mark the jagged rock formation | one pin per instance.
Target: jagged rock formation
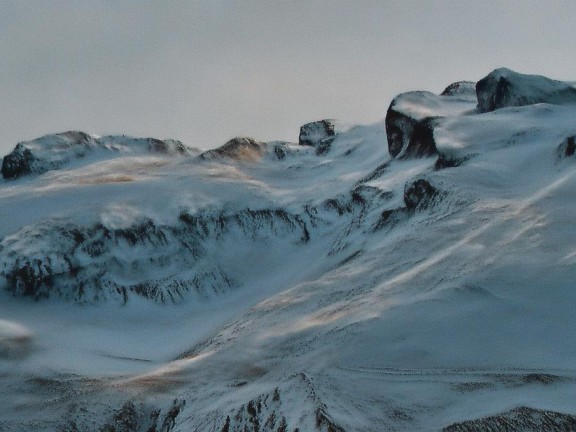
(318, 134)
(157, 262)
(55, 151)
(505, 88)
(522, 419)
(461, 89)
(240, 149)
(131, 416)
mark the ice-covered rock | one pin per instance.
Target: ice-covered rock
(461, 89)
(410, 121)
(46, 153)
(15, 339)
(55, 151)
(318, 134)
(505, 88)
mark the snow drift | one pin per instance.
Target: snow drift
(414, 274)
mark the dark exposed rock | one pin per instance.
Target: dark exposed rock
(318, 134)
(264, 413)
(519, 419)
(239, 148)
(23, 160)
(541, 378)
(18, 163)
(389, 218)
(126, 419)
(166, 146)
(324, 421)
(505, 88)
(463, 89)
(419, 194)
(568, 147)
(444, 161)
(409, 134)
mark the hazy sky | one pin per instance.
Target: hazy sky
(205, 71)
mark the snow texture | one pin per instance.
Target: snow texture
(366, 291)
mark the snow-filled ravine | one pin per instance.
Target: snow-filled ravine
(416, 274)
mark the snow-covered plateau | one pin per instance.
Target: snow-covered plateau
(417, 274)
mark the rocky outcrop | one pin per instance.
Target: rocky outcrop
(239, 148)
(505, 88)
(461, 89)
(410, 133)
(318, 134)
(55, 151)
(519, 419)
(412, 117)
(45, 154)
(18, 163)
(167, 147)
(419, 194)
(568, 147)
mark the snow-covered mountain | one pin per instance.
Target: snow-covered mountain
(415, 274)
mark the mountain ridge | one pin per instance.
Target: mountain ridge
(415, 274)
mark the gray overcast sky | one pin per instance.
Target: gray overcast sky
(205, 71)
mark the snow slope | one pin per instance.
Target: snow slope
(332, 290)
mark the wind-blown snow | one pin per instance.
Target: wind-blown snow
(384, 318)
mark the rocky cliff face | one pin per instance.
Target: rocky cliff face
(411, 119)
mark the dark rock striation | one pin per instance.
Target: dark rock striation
(517, 420)
(162, 263)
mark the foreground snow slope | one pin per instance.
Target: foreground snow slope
(323, 286)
